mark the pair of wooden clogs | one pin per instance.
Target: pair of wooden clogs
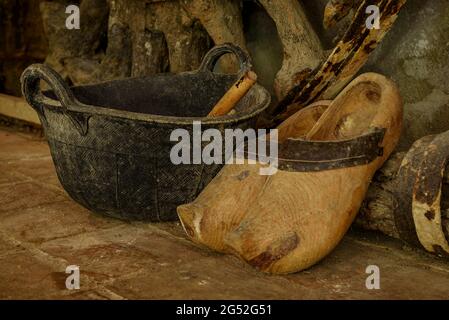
(328, 153)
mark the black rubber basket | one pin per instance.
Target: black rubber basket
(110, 142)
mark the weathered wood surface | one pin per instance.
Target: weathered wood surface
(336, 10)
(302, 48)
(160, 36)
(389, 204)
(223, 22)
(143, 37)
(187, 40)
(344, 62)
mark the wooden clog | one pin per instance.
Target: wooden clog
(226, 199)
(303, 211)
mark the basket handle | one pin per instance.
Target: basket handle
(211, 58)
(31, 90)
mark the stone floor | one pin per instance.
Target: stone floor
(42, 231)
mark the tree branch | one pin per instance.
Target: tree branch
(302, 47)
(345, 61)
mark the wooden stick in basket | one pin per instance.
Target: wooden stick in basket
(234, 94)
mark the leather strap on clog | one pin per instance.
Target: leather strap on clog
(299, 155)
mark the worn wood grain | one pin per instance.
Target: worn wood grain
(344, 62)
(302, 48)
(390, 203)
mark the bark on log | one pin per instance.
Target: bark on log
(336, 10)
(377, 211)
(302, 47)
(389, 12)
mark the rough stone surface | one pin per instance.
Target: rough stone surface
(42, 231)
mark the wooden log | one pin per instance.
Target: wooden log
(115, 64)
(336, 10)
(81, 42)
(301, 46)
(186, 40)
(223, 22)
(377, 209)
(128, 16)
(157, 53)
(382, 202)
(389, 11)
(143, 37)
(345, 61)
(73, 53)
